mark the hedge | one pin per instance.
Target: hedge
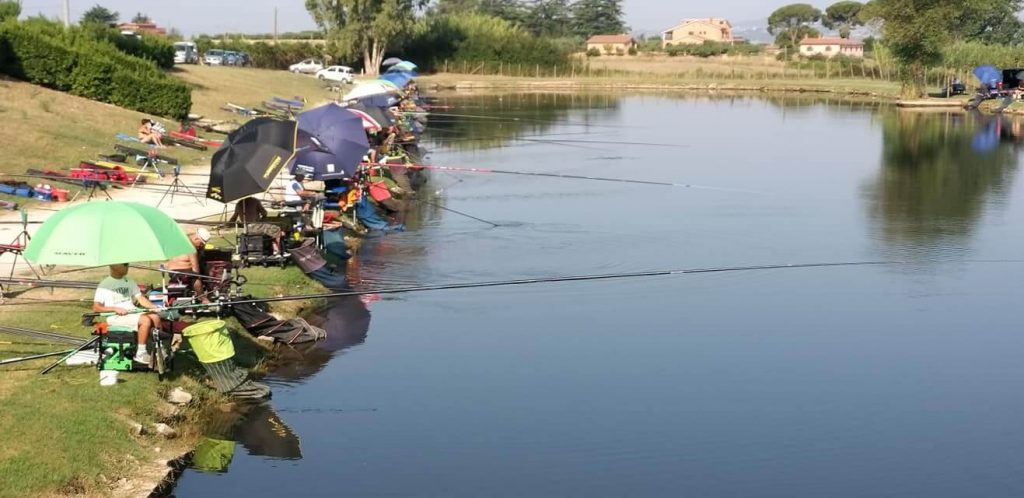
(83, 66)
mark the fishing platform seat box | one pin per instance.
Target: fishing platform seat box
(254, 245)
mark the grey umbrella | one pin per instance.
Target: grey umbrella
(391, 61)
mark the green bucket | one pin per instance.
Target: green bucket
(210, 340)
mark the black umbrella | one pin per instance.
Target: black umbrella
(251, 158)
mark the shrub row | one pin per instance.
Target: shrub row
(266, 55)
(90, 69)
(711, 49)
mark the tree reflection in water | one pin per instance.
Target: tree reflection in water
(939, 174)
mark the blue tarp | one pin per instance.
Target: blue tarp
(369, 217)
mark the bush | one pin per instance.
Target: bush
(479, 38)
(266, 55)
(593, 52)
(632, 51)
(77, 62)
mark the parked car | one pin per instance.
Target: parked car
(244, 59)
(341, 74)
(186, 53)
(230, 58)
(214, 57)
(309, 66)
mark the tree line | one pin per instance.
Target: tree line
(919, 34)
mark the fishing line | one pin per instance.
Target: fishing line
(429, 203)
(566, 176)
(586, 278)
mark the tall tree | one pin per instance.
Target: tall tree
(141, 18)
(9, 9)
(786, 22)
(844, 15)
(916, 31)
(449, 7)
(548, 17)
(597, 17)
(99, 14)
(509, 10)
(365, 27)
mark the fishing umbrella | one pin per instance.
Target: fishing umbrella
(341, 143)
(371, 88)
(250, 158)
(406, 66)
(391, 61)
(377, 101)
(400, 79)
(377, 113)
(105, 233)
(989, 76)
(369, 124)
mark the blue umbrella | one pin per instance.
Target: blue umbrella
(338, 143)
(378, 101)
(399, 78)
(989, 76)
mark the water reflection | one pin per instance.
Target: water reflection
(485, 122)
(939, 174)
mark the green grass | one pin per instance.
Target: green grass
(63, 433)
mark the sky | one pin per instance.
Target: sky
(257, 16)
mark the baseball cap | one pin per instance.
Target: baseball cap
(203, 234)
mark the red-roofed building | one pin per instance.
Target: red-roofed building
(149, 28)
(831, 47)
(611, 44)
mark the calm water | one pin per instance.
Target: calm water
(850, 382)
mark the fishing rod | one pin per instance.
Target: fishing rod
(566, 176)
(578, 278)
(9, 361)
(429, 203)
(44, 283)
(512, 118)
(41, 335)
(542, 139)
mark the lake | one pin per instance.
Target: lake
(890, 380)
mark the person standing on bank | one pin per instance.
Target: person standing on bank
(120, 295)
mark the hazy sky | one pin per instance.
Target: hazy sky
(216, 16)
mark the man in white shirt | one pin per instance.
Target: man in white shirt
(295, 194)
(119, 294)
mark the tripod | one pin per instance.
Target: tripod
(176, 187)
(149, 162)
(93, 186)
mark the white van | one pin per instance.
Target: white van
(186, 53)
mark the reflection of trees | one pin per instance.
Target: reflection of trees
(485, 121)
(937, 173)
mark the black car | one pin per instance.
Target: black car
(242, 59)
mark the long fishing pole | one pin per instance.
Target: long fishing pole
(577, 278)
(9, 361)
(561, 175)
(460, 213)
(515, 119)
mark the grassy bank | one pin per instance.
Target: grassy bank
(63, 433)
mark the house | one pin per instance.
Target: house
(831, 47)
(696, 31)
(611, 44)
(149, 28)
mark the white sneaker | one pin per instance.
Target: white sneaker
(142, 357)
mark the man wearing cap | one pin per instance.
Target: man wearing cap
(185, 268)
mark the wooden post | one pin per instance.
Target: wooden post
(536, 71)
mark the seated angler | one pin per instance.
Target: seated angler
(186, 268)
(120, 295)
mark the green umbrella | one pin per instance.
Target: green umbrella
(104, 233)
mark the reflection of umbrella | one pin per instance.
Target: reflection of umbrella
(987, 138)
(391, 61)
(371, 88)
(400, 79)
(989, 76)
(105, 233)
(342, 141)
(251, 158)
(213, 455)
(264, 433)
(347, 322)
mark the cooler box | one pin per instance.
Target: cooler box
(254, 245)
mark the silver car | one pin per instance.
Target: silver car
(214, 57)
